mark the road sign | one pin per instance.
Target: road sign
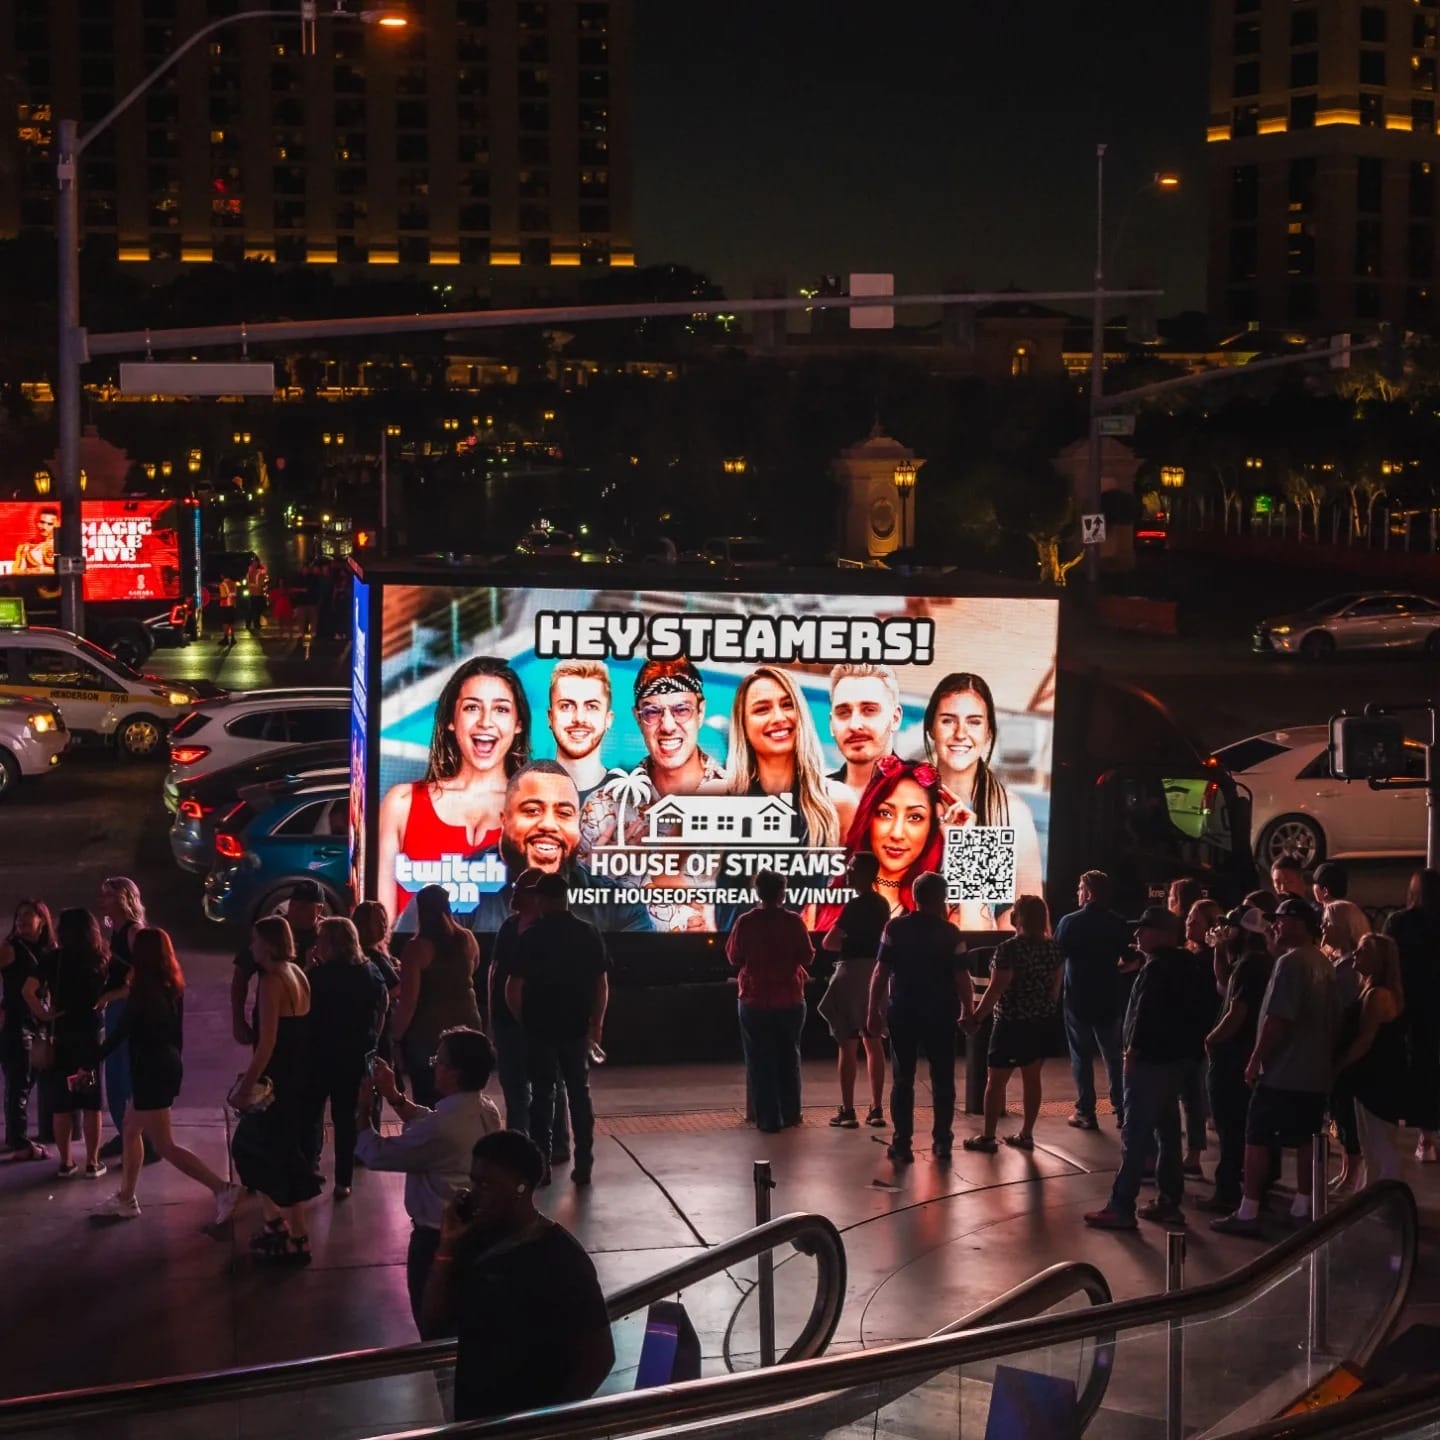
(156, 377)
(1118, 425)
(1092, 529)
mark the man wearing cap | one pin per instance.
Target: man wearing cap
(1160, 1036)
(1292, 1065)
(304, 910)
(1244, 946)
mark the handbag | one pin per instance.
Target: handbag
(261, 1100)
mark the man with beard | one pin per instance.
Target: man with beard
(540, 830)
(580, 717)
(864, 716)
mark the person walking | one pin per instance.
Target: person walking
(1159, 1040)
(303, 912)
(1292, 1067)
(348, 1001)
(1416, 930)
(122, 912)
(437, 988)
(1026, 973)
(151, 1035)
(1093, 939)
(845, 1006)
(1372, 1067)
(32, 936)
(272, 1146)
(770, 948)
(517, 1290)
(434, 1149)
(559, 989)
(227, 592)
(919, 994)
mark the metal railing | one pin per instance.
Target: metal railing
(762, 1391)
(810, 1234)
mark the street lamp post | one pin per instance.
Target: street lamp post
(71, 351)
(905, 477)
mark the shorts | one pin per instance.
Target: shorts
(1283, 1117)
(845, 1005)
(1014, 1043)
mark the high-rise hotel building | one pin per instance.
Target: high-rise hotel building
(1324, 162)
(484, 134)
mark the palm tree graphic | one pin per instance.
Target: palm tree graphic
(630, 787)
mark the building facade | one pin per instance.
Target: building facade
(1324, 156)
(485, 134)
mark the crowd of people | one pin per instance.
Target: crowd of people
(312, 603)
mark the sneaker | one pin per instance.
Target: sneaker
(1162, 1212)
(1083, 1122)
(97, 1171)
(67, 1172)
(901, 1153)
(1020, 1142)
(941, 1150)
(875, 1117)
(844, 1119)
(985, 1144)
(119, 1208)
(1234, 1225)
(225, 1203)
(1108, 1219)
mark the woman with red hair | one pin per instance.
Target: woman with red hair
(898, 821)
(153, 1027)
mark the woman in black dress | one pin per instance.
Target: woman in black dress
(150, 1033)
(273, 1147)
(1373, 1067)
(67, 995)
(32, 935)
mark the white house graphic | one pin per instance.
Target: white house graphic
(702, 819)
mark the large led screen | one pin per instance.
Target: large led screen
(132, 550)
(659, 748)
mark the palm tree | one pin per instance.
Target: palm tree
(632, 787)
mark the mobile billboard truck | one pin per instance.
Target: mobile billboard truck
(142, 572)
(660, 747)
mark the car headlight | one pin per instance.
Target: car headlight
(178, 697)
(1279, 629)
(40, 723)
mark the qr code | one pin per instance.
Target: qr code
(980, 864)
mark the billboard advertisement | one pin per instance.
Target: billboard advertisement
(658, 748)
(359, 728)
(132, 550)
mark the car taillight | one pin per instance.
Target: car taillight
(1211, 797)
(188, 754)
(194, 810)
(227, 846)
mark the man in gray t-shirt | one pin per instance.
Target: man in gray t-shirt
(1292, 1066)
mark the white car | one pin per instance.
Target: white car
(103, 699)
(1298, 806)
(248, 724)
(32, 739)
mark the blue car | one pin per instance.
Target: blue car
(274, 837)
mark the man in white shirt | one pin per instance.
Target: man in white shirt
(433, 1151)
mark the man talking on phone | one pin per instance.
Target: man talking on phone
(434, 1150)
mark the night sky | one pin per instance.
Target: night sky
(943, 139)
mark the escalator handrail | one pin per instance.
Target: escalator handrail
(1394, 1411)
(757, 1390)
(811, 1234)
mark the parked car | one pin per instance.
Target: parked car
(1299, 806)
(272, 838)
(203, 800)
(104, 701)
(251, 723)
(33, 737)
(1359, 620)
(739, 552)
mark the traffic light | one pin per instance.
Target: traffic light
(1365, 747)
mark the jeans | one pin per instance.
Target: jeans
(341, 1090)
(419, 1257)
(512, 1066)
(15, 1066)
(117, 1068)
(936, 1036)
(1194, 1103)
(1087, 1039)
(571, 1058)
(1229, 1104)
(1152, 1094)
(771, 1042)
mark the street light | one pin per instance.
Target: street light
(71, 350)
(1172, 477)
(734, 465)
(905, 477)
(1163, 182)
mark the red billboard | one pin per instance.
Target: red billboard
(132, 550)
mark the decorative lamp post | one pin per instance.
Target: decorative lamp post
(905, 476)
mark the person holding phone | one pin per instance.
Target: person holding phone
(517, 1290)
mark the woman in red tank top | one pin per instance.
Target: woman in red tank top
(481, 738)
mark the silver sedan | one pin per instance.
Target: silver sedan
(1362, 620)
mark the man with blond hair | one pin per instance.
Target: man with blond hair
(864, 716)
(581, 714)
